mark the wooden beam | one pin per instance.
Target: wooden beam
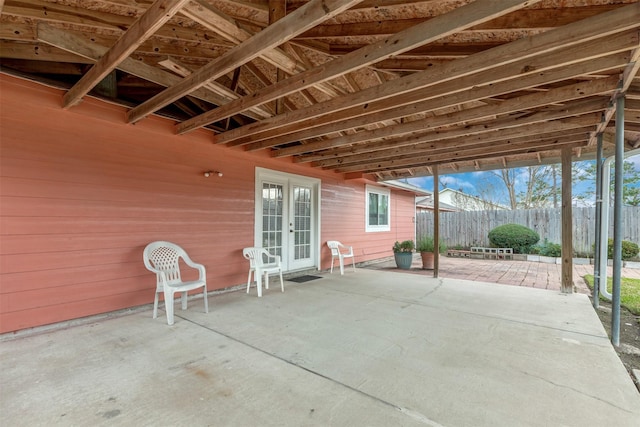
(156, 16)
(504, 149)
(446, 94)
(567, 223)
(543, 18)
(619, 20)
(441, 26)
(626, 80)
(96, 23)
(225, 93)
(70, 42)
(523, 103)
(274, 35)
(228, 28)
(278, 10)
(327, 149)
(496, 130)
(513, 137)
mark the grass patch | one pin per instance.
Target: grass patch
(629, 292)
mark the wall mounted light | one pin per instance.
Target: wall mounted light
(207, 174)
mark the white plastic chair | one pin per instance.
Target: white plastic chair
(340, 251)
(262, 263)
(162, 258)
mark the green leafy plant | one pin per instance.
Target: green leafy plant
(427, 244)
(515, 236)
(548, 249)
(405, 246)
(629, 249)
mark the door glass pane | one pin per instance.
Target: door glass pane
(302, 222)
(272, 217)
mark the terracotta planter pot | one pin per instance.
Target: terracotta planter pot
(427, 260)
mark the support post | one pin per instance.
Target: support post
(617, 223)
(597, 268)
(436, 222)
(567, 223)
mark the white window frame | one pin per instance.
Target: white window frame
(381, 192)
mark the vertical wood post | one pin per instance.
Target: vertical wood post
(278, 10)
(436, 222)
(567, 223)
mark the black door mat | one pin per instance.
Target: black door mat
(305, 278)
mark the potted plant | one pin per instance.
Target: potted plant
(403, 254)
(426, 247)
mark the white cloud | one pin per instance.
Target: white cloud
(456, 182)
(635, 160)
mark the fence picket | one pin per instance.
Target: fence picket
(470, 228)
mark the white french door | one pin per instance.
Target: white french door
(287, 223)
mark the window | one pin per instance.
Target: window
(378, 215)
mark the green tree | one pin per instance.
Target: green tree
(630, 182)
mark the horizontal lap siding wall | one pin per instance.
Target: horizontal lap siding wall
(344, 219)
(82, 193)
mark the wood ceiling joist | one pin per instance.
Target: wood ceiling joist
(564, 94)
(77, 19)
(159, 13)
(40, 52)
(497, 151)
(318, 151)
(487, 84)
(462, 155)
(462, 17)
(92, 52)
(520, 19)
(213, 19)
(458, 148)
(626, 80)
(619, 20)
(274, 35)
(226, 93)
(558, 128)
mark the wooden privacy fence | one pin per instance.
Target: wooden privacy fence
(471, 228)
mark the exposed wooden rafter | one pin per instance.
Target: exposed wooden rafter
(372, 89)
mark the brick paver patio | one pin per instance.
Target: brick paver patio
(518, 273)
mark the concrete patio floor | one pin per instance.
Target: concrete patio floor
(374, 348)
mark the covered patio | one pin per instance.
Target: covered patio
(373, 347)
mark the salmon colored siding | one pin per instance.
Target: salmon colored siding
(82, 193)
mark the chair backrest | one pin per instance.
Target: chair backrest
(256, 256)
(334, 245)
(164, 256)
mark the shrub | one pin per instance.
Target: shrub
(549, 249)
(629, 249)
(406, 246)
(427, 244)
(515, 236)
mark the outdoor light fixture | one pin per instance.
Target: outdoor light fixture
(207, 174)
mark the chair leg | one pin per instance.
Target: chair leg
(332, 261)
(183, 299)
(258, 276)
(155, 305)
(281, 282)
(353, 262)
(249, 281)
(206, 299)
(266, 280)
(341, 266)
(168, 303)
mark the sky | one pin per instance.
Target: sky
(477, 183)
